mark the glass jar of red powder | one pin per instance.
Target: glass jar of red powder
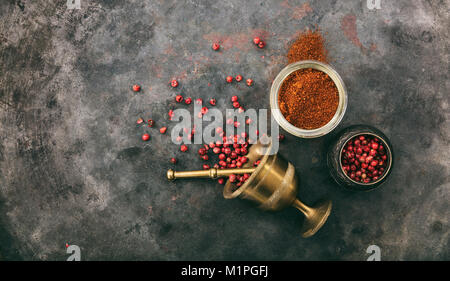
(277, 85)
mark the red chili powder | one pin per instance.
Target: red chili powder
(308, 98)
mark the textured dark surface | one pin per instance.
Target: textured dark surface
(74, 170)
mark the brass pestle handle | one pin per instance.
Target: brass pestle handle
(211, 173)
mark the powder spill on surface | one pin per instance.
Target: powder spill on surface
(308, 46)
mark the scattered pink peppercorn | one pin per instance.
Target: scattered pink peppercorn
(234, 98)
(221, 181)
(229, 79)
(136, 88)
(205, 166)
(170, 114)
(140, 121)
(150, 122)
(204, 110)
(232, 177)
(163, 130)
(261, 44)
(145, 137)
(202, 151)
(226, 150)
(239, 78)
(199, 101)
(205, 157)
(215, 46)
(188, 100)
(174, 83)
(173, 160)
(179, 98)
(249, 82)
(212, 101)
(183, 148)
(236, 104)
(256, 40)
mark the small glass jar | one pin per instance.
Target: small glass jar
(278, 116)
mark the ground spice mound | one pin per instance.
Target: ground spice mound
(308, 46)
(308, 99)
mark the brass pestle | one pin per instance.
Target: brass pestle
(272, 186)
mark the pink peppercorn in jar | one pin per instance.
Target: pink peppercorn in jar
(360, 158)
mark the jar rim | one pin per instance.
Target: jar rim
(340, 111)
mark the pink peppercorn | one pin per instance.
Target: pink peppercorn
(145, 137)
(229, 79)
(239, 78)
(179, 98)
(215, 46)
(188, 101)
(249, 82)
(202, 151)
(174, 83)
(136, 88)
(183, 148)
